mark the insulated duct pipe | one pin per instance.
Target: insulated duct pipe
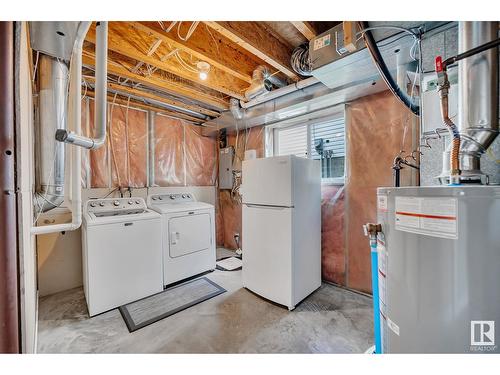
(75, 118)
(372, 48)
(53, 94)
(262, 82)
(101, 72)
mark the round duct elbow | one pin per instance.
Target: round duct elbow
(236, 110)
(258, 88)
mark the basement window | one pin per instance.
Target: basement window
(323, 140)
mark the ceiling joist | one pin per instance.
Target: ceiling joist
(157, 98)
(124, 101)
(205, 45)
(305, 29)
(124, 69)
(254, 37)
(125, 40)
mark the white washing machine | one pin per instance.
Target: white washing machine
(188, 235)
(122, 254)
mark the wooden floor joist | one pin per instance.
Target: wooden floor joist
(123, 100)
(305, 29)
(253, 37)
(176, 88)
(125, 40)
(161, 99)
(206, 45)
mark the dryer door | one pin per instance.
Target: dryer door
(189, 234)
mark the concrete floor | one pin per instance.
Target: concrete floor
(331, 320)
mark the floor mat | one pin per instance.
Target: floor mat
(229, 264)
(149, 310)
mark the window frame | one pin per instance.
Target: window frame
(272, 138)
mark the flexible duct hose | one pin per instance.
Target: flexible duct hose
(371, 45)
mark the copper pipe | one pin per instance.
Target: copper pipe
(9, 313)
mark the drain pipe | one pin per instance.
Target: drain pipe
(101, 71)
(75, 118)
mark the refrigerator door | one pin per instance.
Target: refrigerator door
(268, 181)
(267, 249)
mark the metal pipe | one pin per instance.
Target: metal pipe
(53, 95)
(443, 87)
(234, 107)
(75, 118)
(280, 92)
(477, 100)
(478, 93)
(262, 82)
(9, 308)
(101, 72)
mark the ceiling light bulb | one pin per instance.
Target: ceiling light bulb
(203, 69)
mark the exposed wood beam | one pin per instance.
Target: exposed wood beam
(128, 42)
(253, 37)
(305, 29)
(202, 44)
(135, 104)
(158, 98)
(176, 88)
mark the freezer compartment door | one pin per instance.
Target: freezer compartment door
(268, 181)
(189, 234)
(267, 252)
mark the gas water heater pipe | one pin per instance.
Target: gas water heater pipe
(443, 87)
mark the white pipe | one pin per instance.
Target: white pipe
(75, 118)
(280, 92)
(101, 72)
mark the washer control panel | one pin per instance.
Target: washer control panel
(172, 198)
(115, 206)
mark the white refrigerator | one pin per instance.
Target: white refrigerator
(282, 228)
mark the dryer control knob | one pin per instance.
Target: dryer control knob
(172, 197)
(137, 201)
(116, 203)
(130, 202)
(183, 195)
(101, 204)
(92, 204)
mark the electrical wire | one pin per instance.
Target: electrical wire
(190, 32)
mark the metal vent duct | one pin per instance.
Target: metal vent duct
(53, 116)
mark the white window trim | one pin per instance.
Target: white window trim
(272, 139)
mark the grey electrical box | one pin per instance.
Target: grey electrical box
(226, 156)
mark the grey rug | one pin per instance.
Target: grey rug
(151, 309)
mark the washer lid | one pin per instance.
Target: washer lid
(167, 207)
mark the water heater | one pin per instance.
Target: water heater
(439, 269)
